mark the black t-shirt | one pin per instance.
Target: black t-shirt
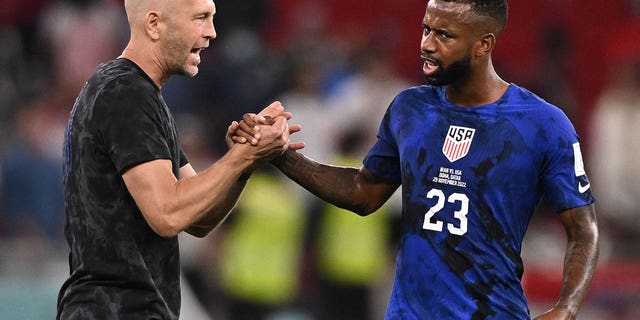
(120, 268)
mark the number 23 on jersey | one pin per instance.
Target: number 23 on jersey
(461, 203)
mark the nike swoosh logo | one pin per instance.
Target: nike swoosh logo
(583, 189)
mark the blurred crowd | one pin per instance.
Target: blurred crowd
(336, 65)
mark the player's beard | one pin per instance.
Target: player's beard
(456, 72)
(177, 51)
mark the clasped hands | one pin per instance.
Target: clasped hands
(268, 132)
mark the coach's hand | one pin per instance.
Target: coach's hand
(248, 130)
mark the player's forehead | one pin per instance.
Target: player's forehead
(192, 6)
(448, 13)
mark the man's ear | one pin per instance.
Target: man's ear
(151, 25)
(486, 45)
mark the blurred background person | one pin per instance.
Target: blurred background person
(353, 255)
(261, 250)
(614, 141)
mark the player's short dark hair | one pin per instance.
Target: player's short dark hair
(495, 9)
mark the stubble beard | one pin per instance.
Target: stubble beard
(456, 72)
(177, 54)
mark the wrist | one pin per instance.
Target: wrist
(568, 310)
(282, 159)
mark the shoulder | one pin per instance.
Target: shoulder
(119, 85)
(123, 78)
(544, 122)
(422, 92)
(538, 109)
(537, 104)
(416, 96)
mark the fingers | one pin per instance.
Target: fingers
(280, 126)
(243, 132)
(287, 115)
(268, 120)
(252, 120)
(296, 145)
(273, 110)
(250, 128)
(231, 131)
(295, 128)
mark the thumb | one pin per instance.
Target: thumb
(273, 110)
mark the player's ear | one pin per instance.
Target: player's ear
(151, 25)
(485, 44)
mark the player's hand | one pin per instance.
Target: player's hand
(236, 134)
(273, 141)
(248, 130)
(556, 313)
(274, 111)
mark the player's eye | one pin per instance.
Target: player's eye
(426, 29)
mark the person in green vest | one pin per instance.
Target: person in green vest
(259, 266)
(353, 253)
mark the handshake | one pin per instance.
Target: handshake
(264, 136)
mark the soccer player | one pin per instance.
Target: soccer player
(474, 155)
(129, 188)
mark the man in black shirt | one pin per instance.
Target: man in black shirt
(129, 188)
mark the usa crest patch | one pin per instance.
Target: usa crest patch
(457, 143)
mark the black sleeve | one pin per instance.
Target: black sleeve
(183, 158)
(132, 125)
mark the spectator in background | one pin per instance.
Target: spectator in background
(360, 100)
(31, 194)
(308, 105)
(80, 35)
(615, 150)
(353, 254)
(259, 264)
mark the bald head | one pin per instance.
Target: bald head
(137, 10)
(134, 8)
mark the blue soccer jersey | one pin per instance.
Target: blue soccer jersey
(471, 179)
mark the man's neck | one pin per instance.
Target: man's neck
(484, 89)
(144, 59)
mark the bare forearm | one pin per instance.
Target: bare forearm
(171, 206)
(580, 259)
(340, 186)
(218, 212)
(210, 196)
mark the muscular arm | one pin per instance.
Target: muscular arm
(214, 218)
(580, 261)
(354, 189)
(170, 205)
(198, 203)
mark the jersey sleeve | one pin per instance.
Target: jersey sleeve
(565, 180)
(128, 121)
(383, 159)
(183, 158)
